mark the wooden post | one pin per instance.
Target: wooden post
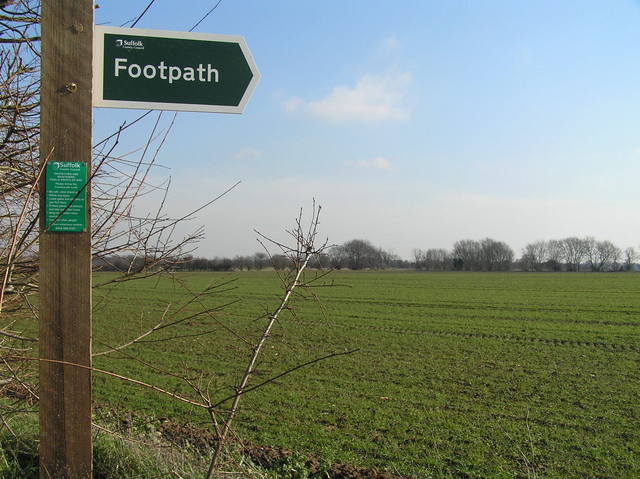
(65, 258)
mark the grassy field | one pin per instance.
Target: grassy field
(458, 375)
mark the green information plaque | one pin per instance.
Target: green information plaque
(66, 196)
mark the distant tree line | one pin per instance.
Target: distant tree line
(467, 255)
(361, 254)
(575, 254)
(568, 254)
(257, 261)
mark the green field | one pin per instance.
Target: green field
(462, 375)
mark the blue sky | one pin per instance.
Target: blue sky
(413, 123)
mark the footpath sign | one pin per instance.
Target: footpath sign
(163, 70)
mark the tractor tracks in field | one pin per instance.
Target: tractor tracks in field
(509, 308)
(605, 346)
(484, 317)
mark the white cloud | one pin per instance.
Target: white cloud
(247, 154)
(389, 45)
(377, 163)
(293, 104)
(374, 98)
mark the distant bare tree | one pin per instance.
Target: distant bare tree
(260, 260)
(467, 255)
(555, 254)
(357, 254)
(591, 253)
(615, 259)
(432, 259)
(534, 255)
(630, 257)
(495, 255)
(389, 259)
(419, 258)
(602, 255)
(607, 255)
(487, 254)
(439, 259)
(575, 250)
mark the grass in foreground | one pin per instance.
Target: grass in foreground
(138, 452)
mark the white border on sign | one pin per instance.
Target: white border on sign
(98, 63)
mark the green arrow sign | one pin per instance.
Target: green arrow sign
(160, 70)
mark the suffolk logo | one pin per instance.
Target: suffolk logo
(130, 44)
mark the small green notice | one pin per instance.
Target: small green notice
(66, 196)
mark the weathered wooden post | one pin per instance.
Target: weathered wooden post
(65, 239)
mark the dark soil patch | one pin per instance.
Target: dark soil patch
(269, 457)
(183, 435)
(272, 457)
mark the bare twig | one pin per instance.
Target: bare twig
(300, 254)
